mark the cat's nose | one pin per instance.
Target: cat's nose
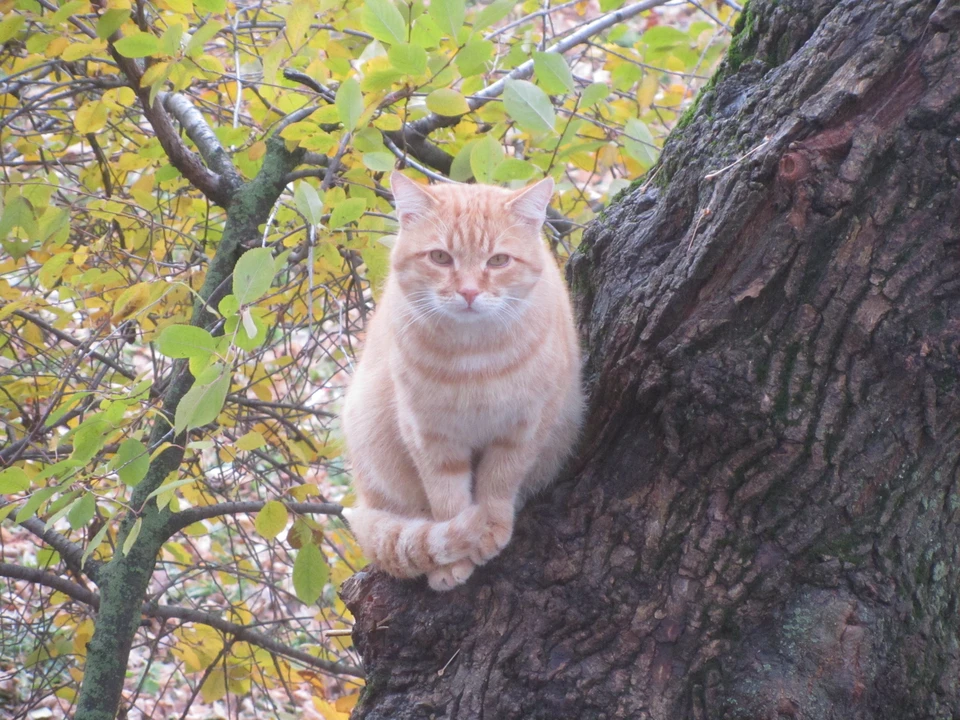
(469, 294)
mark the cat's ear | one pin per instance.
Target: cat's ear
(531, 203)
(411, 199)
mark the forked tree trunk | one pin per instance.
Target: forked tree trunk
(765, 515)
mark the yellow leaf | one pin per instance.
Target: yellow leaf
(647, 91)
(214, 686)
(56, 47)
(79, 50)
(329, 711)
(388, 123)
(81, 636)
(251, 441)
(271, 519)
(445, 101)
(347, 703)
(91, 117)
(155, 72)
(179, 6)
(131, 301)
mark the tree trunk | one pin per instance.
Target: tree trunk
(763, 519)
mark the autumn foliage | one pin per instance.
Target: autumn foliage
(194, 227)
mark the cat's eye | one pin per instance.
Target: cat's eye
(441, 257)
(498, 261)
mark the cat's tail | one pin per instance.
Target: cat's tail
(408, 547)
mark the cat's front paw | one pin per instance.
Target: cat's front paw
(449, 576)
(492, 538)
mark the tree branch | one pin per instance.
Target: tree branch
(246, 634)
(200, 132)
(36, 576)
(431, 122)
(168, 612)
(182, 519)
(61, 335)
(70, 552)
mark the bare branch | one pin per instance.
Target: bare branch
(110, 362)
(428, 124)
(70, 552)
(50, 580)
(246, 634)
(182, 519)
(242, 633)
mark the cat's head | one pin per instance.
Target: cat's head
(469, 252)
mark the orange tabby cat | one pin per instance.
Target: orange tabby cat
(468, 398)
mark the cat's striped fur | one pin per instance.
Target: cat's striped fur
(468, 396)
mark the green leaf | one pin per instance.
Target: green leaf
(202, 403)
(460, 170)
(379, 161)
(381, 19)
(82, 511)
(310, 573)
(242, 339)
(251, 441)
(229, 305)
(33, 503)
(608, 5)
(60, 507)
(376, 257)
(170, 40)
(211, 6)
(308, 202)
(638, 142)
(445, 101)
(131, 462)
(201, 37)
(184, 341)
(66, 11)
(169, 487)
(409, 59)
(485, 156)
(18, 214)
(132, 537)
(553, 73)
(514, 169)
(94, 544)
(664, 37)
(472, 58)
(87, 442)
(10, 26)
(349, 102)
(449, 15)
(253, 275)
(493, 13)
(13, 480)
(271, 520)
(529, 106)
(138, 45)
(593, 94)
(347, 211)
(111, 21)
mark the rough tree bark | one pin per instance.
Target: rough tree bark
(763, 520)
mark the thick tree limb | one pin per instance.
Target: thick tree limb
(200, 132)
